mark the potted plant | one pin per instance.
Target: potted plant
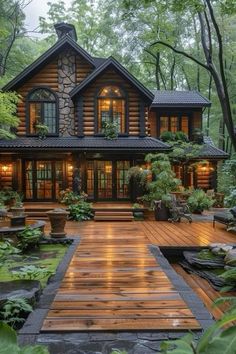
(58, 219)
(18, 209)
(42, 130)
(163, 183)
(199, 201)
(110, 130)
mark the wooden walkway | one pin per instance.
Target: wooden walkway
(114, 283)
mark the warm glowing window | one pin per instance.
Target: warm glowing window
(111, 108)
(174, 123)
(42, 110)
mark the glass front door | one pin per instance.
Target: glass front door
(107, 180)
(43, 179)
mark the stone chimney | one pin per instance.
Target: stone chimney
(63, 29)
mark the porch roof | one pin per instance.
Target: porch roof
(86, 143)
(179, 99)
(211, 151)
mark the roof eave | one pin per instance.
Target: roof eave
(111, 61)
(44, 58)
(179, 105)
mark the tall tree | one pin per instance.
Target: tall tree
(11, 28)
(211, 44)
(8, 119)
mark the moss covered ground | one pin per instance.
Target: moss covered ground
(45, 256)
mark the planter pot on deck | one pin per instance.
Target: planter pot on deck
(57, 219)
(18, 211)
(161, 212)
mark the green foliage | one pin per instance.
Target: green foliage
(117, 351)
(14, 311)
(215, 340)
(68, 197)
(7, 249)
(164, 180)
(168, 136)
(230, 200)
(183, 152)
(29, 238)
(32, 272)
(8, 340)
(42, 130)
(110, 130)
(199, 201)
(8, 119)
(7, 195)
(81, 211)
(230, 279)
(139, 175)
(227, 176)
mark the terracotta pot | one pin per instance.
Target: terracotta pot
(57, 219)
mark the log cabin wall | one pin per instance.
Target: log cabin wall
(6, 169)
(60, 75)
(196, 119)
(48, 76)
(89, 102)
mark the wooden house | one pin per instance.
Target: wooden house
(74, 94)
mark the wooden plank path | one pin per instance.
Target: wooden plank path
(113, 282)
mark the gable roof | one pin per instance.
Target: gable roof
(66, 40)
(179, 99)
(120, 68)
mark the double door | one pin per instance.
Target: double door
(43, 179)
(107, 180)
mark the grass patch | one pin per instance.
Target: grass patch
(46, 256)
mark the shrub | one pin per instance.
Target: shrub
(29, 238)
(8, 340)
(68, 197)
(230, 200)
(81, 211)
(167, 136)
(14, 311)
(199, 201)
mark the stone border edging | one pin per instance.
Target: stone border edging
(186, 292)
(33, 324)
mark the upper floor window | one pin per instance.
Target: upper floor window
(111, 108)
(42, 108)
(173, 123)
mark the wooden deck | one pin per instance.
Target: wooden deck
(113, 282)
(157, 233)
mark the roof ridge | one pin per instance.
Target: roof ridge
(43, 57)
(124, 71)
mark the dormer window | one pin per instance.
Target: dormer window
(111, 108)
(42, 110)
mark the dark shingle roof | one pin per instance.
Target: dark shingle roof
(208, 140)
(179, 99)
(86, 143)
(212, 152)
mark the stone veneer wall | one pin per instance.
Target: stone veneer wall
(66, 82)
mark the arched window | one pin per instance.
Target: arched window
(111, 108)
(42, 109)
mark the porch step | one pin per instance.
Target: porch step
(114, 215)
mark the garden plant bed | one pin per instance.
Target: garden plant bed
(199, 281)
(24, 276)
